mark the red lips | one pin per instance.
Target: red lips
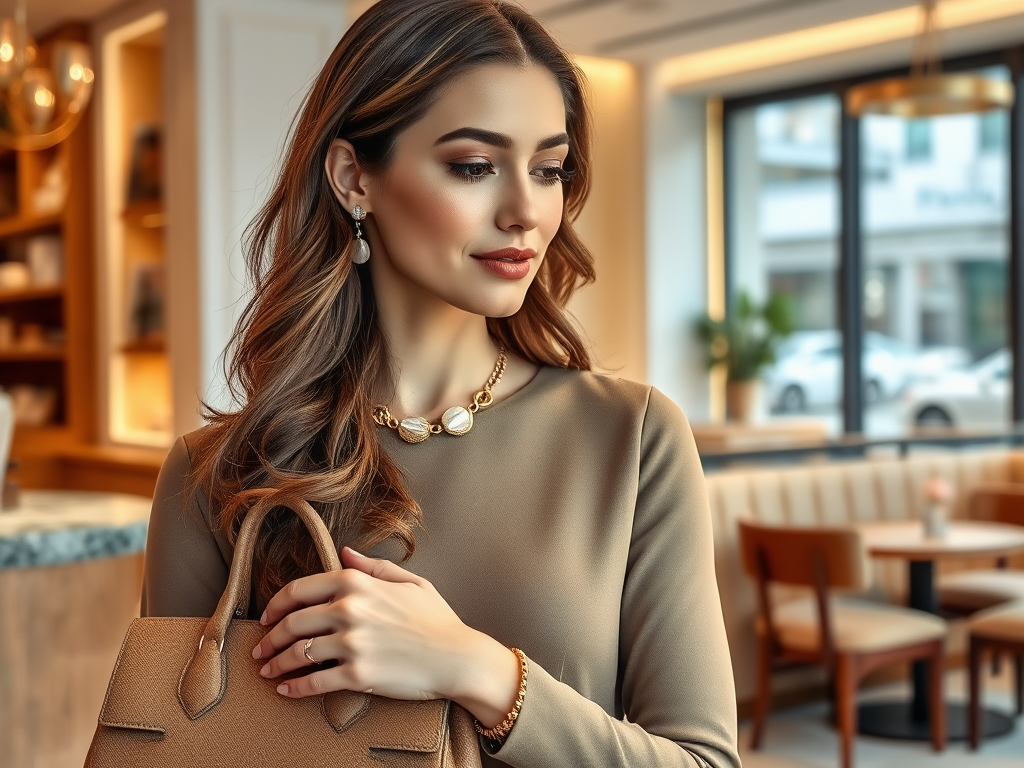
(514, 254)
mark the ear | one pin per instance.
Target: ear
(347, 178)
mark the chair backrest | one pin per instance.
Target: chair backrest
(802, 556)
(998, 502)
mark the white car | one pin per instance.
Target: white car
(977, 397)
(808, 370)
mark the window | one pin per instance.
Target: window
(935, 252)
(784, 198)
(993, 129)
(919, 139)
(933, 256)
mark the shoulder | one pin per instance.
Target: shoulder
(191, 442)
(606, 396)
(590, 390)
(174, 481)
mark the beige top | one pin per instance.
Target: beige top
(571, 522)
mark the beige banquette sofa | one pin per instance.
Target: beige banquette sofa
(834, 493)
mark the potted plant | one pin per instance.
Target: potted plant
(745, 342)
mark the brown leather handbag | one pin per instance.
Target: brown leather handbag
(186, 693)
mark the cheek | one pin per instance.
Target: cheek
(551, 216)
(433, 208)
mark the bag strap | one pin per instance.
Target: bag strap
(204, 678)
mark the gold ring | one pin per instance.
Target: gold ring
(305, 651)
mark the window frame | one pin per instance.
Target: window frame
(850, 277)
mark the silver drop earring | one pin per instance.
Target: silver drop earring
(361, 254)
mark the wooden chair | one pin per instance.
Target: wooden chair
(848, 637)
(965, 592)
(995, 630)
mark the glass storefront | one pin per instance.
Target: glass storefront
(935, 212)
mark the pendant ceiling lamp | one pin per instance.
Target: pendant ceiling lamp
(927, 91)
(40, 106)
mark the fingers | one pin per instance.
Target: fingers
(324, 587)
(338, 678)
(294, 656)
(309, 590)
(384, 570)
(300, 625)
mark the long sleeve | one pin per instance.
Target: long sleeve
(676, 679)
(185, 570)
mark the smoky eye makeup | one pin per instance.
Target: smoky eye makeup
(552, 174)
(475, 170)
(478, 169)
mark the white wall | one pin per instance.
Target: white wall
(676, 264)
(255, 59)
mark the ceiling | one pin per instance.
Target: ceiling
(641, 31)
(650, 30)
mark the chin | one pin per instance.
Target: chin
(500, 303)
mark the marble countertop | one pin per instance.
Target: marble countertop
(57, 527)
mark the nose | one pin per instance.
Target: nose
(518, 205)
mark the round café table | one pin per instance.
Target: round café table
(906, 539)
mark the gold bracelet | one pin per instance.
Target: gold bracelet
(499, 732)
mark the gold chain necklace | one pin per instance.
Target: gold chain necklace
(455, 421)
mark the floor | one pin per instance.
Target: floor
(801, 737)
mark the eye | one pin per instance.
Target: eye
(550, 174)
(472, 171)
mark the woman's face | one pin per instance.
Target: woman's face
(473, 196)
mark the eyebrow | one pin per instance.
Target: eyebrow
(500, 139)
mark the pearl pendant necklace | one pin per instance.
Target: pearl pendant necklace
(457, 420)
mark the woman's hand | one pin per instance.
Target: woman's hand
(391, 633)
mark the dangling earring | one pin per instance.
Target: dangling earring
(361, 254)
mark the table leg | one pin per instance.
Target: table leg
(897, 720)
(922, 598)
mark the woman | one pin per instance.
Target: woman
(416, 255)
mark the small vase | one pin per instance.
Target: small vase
(935, 520)
(741, 400)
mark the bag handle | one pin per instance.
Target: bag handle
(204, 678)
(240, 579)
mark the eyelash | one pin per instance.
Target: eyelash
(551, 176)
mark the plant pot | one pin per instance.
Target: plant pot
(741, 400)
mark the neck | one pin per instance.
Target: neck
(441, 354)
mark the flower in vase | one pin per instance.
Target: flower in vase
(938, 490)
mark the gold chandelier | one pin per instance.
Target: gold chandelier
(928, 92)
(40, 106)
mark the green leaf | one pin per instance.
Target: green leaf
(746, 340)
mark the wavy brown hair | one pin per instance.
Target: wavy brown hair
(308, 347)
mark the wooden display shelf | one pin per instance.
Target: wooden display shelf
(29, 355)
(67, 364)
(146, 213)
(144, 346)
(24, 225)
(45, 439)
(32, 294)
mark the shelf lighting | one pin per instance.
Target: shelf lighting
(40, 106)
